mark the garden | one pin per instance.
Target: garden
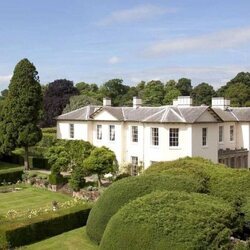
(55, 195)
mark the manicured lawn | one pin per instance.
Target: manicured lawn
(73, 240)
(29, 198)
(8, 167)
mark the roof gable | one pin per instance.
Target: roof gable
(103, 115)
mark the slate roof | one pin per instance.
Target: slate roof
(242, 114)
(232, 114)
(163, 114)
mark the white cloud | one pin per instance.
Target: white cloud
(5, 79)
(114, 60)
(226, 39)
(215, 76)
(136, 13)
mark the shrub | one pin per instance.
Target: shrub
(122, 176)
(125, 190)
(11, 176)
(77, 180)
(48, 140)
(56, 179)
(49, 130)
(171, 220)
(26, 231)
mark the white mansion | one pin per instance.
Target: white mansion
(143, 135)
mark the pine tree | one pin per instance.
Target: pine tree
(20, 114)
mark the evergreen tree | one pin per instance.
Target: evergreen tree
(20, 114)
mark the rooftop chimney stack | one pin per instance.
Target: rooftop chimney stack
(136, 102)
(220, 102)
(106, 102)
(184, 101)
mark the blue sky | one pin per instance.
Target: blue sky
(94, 41)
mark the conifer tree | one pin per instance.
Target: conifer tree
(20, 114)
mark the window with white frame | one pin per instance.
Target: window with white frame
(204, 136)
(155, 136)
(134, 134)
(220, 133)
(173, 137)
(99, 132)
(231, 133)
(111, 132)
(134, 167)
(71, 131)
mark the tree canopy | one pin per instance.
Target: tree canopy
(184, 85)
(202, 94)
(56, 97)
(153, 93)
(101, 161)
(20, 114)
(115, 89)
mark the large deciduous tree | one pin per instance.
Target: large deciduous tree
(153, 93)
(20, 114)
(185, 87)
(79, 101)
(56, 97)
(238, 93)
(202, 94)
(171, 92)
(115, 89)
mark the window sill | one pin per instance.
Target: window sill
(206, 146)
(174, 148)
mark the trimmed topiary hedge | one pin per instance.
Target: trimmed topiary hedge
(13, 158)
(128, 189)
(25, 231)
(11, 176)
(171, 220)
(230, 184)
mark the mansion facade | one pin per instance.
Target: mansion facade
(143, 135)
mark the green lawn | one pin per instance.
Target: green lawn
(7, 167)
(73, 240)
(29, 197)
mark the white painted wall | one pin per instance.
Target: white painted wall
(190, 138)
(226, 143)
(117, 145)
(80, 130)
(104, 116)
(243, 137)
(210, 151)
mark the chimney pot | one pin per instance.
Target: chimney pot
(106, 102)
(136, 102)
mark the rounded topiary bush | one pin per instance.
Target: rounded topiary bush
(128, 189)
(230, 184)
(171, 220)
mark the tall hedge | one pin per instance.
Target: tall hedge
(126, 190)
(11, 176)
(26, 231)
(171, 220)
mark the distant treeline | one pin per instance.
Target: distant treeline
(63, 96)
